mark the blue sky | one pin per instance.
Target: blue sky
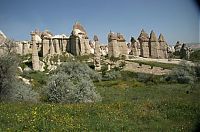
(175, 19)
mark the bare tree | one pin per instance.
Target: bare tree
(8, 46)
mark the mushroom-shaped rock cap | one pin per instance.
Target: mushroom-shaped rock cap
(153, 37)
(161, 38)
(95, 38)
(143, 36)
(120, 37)
(133, 40)
(112, 36)
(78, 26)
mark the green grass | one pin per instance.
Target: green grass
(38, 78)
(126, 106)
(83, 57)
(157, 64)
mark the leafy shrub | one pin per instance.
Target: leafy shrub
(12, 89)
(182, 74)
(22, 92)
(150, 78)
(76, 69)
(72, 83)
(114, 59)
(111, 75)
(195, 56)
(143, 77)
(197, 70)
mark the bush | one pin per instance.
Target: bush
(182, 74)
(76, 69)
(72, 83)
(12, 89)
(197, 70)
(111, 75)
(143, 77)
(195, 56)
(23, 92)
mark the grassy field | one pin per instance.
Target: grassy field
(126, 106)
(157, 64)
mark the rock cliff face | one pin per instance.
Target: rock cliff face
(97, 54)
(163, 47)
(116, 45)
(144, 44)
(78, 41)
(35, 57)
(149, 47)
(153, 46)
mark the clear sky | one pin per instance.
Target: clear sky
(175, 19)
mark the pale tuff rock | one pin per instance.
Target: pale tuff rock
(26, 81)
(2, 34)
(163, 47)
(57, 45)
(108, 67)
(78, 41)
(2, 37)
(144, 44)
(2, 40)
(144, 37)
(134, 47)
(161, 38)
(154, 46)
(97, 54)
(45, 47)
(26, 48)
(116, 45)
(178, 46)
(35, 57)
(150, 46)
(19, 48)
(103, 50)
(52, 50)
(153, 37)
(79, 30)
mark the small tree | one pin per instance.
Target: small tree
(9, 46)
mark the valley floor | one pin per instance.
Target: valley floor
(126, 106)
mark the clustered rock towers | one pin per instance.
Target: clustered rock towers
(116, 45)
(78, 44)
(144, 46)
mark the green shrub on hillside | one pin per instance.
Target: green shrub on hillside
(72, 82)
(182, 74)
(76, 69)
(195, 56)
(111, 75)
(12, 89)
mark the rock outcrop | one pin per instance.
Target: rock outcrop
(144, 44)
(78, 41)
(134, 47)
(116, 45)
(35, 57)
(153, 46)
(163, 47)
(97, 54)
